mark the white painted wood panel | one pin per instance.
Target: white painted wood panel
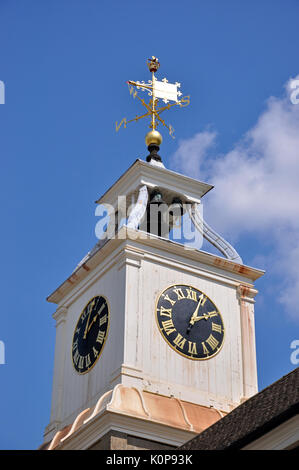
(217, 381)
(82, 391)
(131, 277)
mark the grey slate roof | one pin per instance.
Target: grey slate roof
(253, 418)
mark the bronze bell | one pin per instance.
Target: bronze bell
(175, 213)
(157, 215)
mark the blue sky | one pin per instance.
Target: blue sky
(64, 65)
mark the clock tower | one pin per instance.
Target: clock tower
(154, 337)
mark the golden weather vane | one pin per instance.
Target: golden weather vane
(158, 90)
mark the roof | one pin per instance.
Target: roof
(141, 172)
(253, 418)
(142, 405)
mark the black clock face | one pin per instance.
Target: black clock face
(190, 322)
(90, 334)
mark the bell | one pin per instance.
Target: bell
(156, 197)
(157, 215)
(176, 207)
(175, 213)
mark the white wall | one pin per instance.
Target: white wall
(216, 381)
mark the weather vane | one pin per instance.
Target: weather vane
(158, 90)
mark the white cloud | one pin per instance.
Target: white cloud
(191, 152)
(256, 184)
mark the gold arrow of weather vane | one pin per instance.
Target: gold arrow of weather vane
(157, 90)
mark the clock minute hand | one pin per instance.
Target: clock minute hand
(194, 316)
(98, 313)
(90, 310)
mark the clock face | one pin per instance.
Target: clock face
(190, 322)
(90, 334)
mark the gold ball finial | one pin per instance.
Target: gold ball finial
(153, 137)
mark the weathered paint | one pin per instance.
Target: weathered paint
(135, 353)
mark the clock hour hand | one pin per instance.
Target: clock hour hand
(90, 308)
(205, 316)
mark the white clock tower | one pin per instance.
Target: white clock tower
(154, 339)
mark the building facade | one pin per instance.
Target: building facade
(155, 339)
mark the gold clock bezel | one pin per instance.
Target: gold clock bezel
(105, 339)
(169, 344)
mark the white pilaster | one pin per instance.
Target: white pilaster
(246, 299)
(58, 379)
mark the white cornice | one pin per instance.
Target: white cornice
(246, 293)
(143, 173)
(60, 315)
(135, 244)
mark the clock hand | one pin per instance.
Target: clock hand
(194, 315)
(98, 313)
(90, 308)
(92, 322)
(205, 316)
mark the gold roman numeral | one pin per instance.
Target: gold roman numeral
(205, 350)
(212, 342)
(191, 294)
(165, 311)
(75, 344)
(100, 337)
(202, 299)
(87, 360)
(168, 327)
(179, 293)
(179, 341)
(166, 297)
(95, 352)
(103, 319)
(81, 362)
(76, 357)
(192, 348)
(216, 327)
